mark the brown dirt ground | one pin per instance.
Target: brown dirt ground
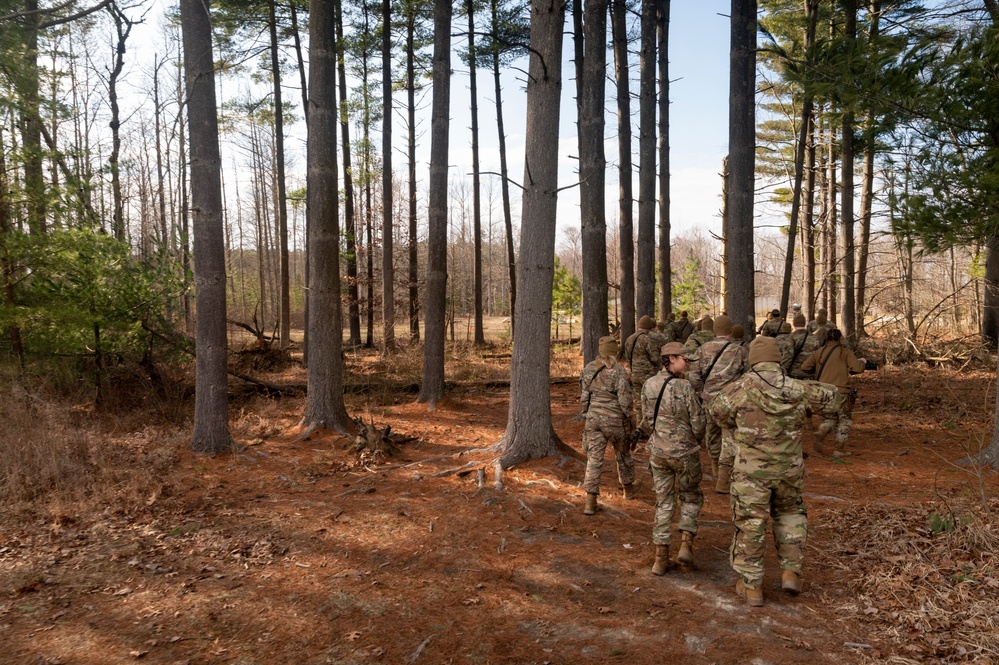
(296, 552)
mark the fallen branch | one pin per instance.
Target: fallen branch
(419, 649)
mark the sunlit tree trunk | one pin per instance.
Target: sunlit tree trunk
(619, 24)
(388, 270)
(476, 188)
(645, 275)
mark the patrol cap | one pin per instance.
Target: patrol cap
(763, 349)
(671, 349)
(609, 346)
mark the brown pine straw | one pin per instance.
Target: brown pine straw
(923, 594)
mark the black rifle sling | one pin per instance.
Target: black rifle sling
(590, 385)
(704, 381)
(798, 350)
(659, 400)
(631, 353)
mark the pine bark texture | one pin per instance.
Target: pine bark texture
(432, 388)
(388, 270)
(645, 275)
(414, 276)
(740, 298)
(476, 185)
(619, 25)
(529, 433)
(504, 180)
(665, 265)
(592, 170)
(324, 406)
(282, 196)
(211, 405)
(849, 317)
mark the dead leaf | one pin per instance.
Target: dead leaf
(353, 635)
(137, 654)
(123, 592)
(606, 610)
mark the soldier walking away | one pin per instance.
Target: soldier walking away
(771, 327)
(799, 346)
(833, 364)
(820, 325)
(674, 422)
(716, 364)
(641, 351)
(605, 403)
(682, 328)
(767, 410)
(705, 333)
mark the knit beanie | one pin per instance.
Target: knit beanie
(723, 325)
(785, 327)
(738, 331)
(799, 320)
(609, 346)
(763, 349)
(707, 323)
(646, 323)
(820, 318)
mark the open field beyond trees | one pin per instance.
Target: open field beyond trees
(300, 552)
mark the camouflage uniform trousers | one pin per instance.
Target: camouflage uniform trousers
(669, 477)
(841, 424)
(597, 433)
(753, 499)
(712, 435)
(636, 399)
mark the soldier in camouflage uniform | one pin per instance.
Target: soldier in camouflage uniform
(716, 364)
(771, 327)
(783, 335)
(833, 364)
(674, 422)
(705, 333)
(767, 410)
(820, 325)
(605, 401)
(800, 345)
(667, 328)
(641, 351)
(682, 328)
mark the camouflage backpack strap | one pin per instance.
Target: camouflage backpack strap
(798, 349)
(590, 385)
(659, 400)
(631, 351)
(717, 356)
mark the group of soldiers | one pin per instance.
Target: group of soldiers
(747, 399)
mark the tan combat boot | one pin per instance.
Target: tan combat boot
(686, 554)
(631, 490)
(790, 582)
(820, 435)
(662, 563)
(724, 479)
(591, 504)
(754, 597)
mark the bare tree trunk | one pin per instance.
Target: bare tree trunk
(529, 433)
(353, 311)
(592, 169)
(807, 220)
(324, 405)
(665, 266)
(867, 189)
(31, 126)
(849, 254)
(432, 388)
(388, 271)
(166, 245)
(832, 264)
(414, 291)
(476, 193)
(211, 407)
(122, 27)
(7, 265)
(295, 33)
(619, 24)
(723, 277)
(645, 275)
(282, 197)
(504, 179)
(811, 13)
(740, 301)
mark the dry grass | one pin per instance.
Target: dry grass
(927, 578)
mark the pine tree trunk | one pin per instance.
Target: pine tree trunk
(807, 220)
(296, 35)
(665, 266)
(388, 270)
(123, 28)
(432, 388)
(353, 296)
(282, 197)
(414, 277)
(866, 211)
(480, 338)
(592, 170)
(739, 251)
(324, 405)
(31, 126)
(645, 275)
(619, 24)
(211, 406)
(849, 317)
(529, 433)
(504, 179)
(832, 264)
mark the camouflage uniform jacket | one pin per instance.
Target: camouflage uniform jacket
(695, 341)
(771, 328)
(679, 427)
(605, 390)
(641, 350)
(669, 331)
(718, 363)
(766, 411)
(801, 344)
(682, 329)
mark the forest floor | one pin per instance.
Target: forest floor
(299, 552)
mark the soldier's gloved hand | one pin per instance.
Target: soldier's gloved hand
(633, 439)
